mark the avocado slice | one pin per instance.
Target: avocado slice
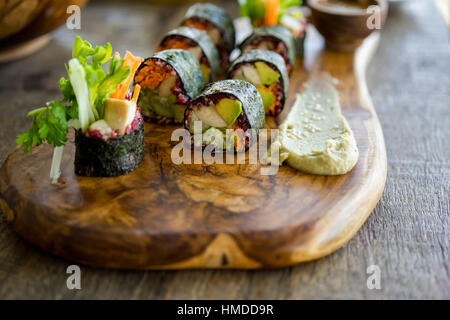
(266, 73)
(266, 95)
(206, 70)
(178, 112)
(145, 102)
(229, 110)
(162, 106)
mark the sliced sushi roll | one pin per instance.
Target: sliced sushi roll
(169, 80)
(217, 24)
(227, 104)
(266, 70)
(275, 38)
(199, 44)
(294, 19)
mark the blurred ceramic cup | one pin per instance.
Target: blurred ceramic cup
(345, 23)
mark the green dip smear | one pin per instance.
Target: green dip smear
(315, 137)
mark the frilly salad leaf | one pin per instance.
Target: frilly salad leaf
(285, 5)
(100, 84)
(256, 9)
(84, 93)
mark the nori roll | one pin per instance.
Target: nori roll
(266, 70)
(98, 155)
(199, 44)
(275, 38)
(217, 24)
(294, 19)
(169, 80)
(226, 104)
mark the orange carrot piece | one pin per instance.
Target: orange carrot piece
(271, 15)
(136, 91)
(129, 61)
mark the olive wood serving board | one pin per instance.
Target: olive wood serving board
(168, 216)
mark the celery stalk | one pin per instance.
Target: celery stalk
(77, 78)
(55, 170)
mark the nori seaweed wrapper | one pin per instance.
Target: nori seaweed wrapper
(300, 45)
(186, 66)
(204, 42)
(278, 32)
(246, 93)
(271, 58)
(109, 158)
(218, 17)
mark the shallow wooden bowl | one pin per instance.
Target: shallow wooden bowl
(24, 24)
(344, 28)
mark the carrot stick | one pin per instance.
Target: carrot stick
(129, 61)
(136, 91)
(271, 15)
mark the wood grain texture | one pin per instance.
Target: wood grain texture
(407, 235)
(165, 216)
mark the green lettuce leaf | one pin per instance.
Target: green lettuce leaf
(254, 9)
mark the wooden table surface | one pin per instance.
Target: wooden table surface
(407, 236)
